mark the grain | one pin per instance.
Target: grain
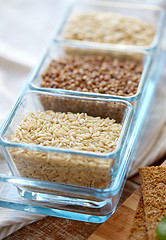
(68, 131)
(98, 74)
(138, 230)
(153, 185)
(107, 27)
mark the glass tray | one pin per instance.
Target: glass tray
(14, 195)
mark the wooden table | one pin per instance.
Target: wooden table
(52, 228)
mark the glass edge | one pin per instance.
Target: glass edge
(44, 210)
(84, 94)
(144, 76)
(81, 190)
(117, 4)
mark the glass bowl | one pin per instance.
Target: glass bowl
(91, 189)
(150, 14)
(58, 50)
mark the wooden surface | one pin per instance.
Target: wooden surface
(52, 228)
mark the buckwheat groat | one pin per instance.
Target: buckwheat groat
(98, 74)
(107, 27)
(138, 230)
(68, 131)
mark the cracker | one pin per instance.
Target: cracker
(138, 229)
(153, 184)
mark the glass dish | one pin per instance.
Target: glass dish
(148, 13)
(16, 191)
(84, 191)
(58, 49)
(67, 200)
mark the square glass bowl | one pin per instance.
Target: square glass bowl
(74, 181)
(147, 13)
(58, 50)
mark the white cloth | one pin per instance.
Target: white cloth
(12, 80)
(19, 53)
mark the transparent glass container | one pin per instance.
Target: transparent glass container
(73, 181)
(147, 13)
(36, 194)
(50, 198)
(58, 50)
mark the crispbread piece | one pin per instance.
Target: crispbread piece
(153, 184)
(138, 229)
